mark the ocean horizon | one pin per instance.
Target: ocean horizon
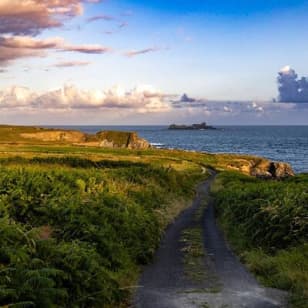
(275, 142)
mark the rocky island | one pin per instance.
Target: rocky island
(200, 126)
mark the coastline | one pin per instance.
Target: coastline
(87, 201)
(278, 143)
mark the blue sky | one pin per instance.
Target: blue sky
(212, 50)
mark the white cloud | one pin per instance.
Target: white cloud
(140, 105)
(30, 17)
(141, 99)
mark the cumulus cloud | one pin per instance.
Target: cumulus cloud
(291, 88)
(230, 108)
(142, 104)
(30, 17)
(133, 53)
(142, 99)
(20, 20)
(16, 97)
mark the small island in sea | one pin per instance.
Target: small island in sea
(200, 126)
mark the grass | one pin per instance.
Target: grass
(74, 231)
(77, 223)
(118, 138)
(266, 223)
(194, 254)
(193, 251)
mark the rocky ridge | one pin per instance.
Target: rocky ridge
(104, 139)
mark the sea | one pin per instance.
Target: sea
(278, 143)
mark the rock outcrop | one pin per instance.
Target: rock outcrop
(270, 169)
(105, 139)
(114, 139)
(56, 135)
(260, 167)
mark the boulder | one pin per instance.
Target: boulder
(270, 169)
(260, 167)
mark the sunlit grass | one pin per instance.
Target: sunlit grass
(266, 223)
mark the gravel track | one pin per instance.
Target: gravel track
(164, 284)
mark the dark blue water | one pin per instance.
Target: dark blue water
(280, 143)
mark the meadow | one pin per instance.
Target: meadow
(74, 231)
(266, 224)
(78, 223)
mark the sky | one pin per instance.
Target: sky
(130, 62)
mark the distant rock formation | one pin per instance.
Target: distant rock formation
(200, 126)
(186, 99)
(105, 139)
(56, 135)
(128, 140)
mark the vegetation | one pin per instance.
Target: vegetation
(27, 135)
(118, 138)
(77, 222)
(193, 250)
(266, 222)
(73, 231)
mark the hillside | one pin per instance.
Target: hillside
(77, 222)
(38, 135)
(43, 141)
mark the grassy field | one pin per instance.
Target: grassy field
(267, 225)
(75, 228)
(77, 222)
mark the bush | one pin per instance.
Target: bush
(74, 231)
(266, 222)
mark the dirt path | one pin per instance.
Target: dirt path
(226, 283)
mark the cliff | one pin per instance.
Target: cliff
(115, 139)
(105, 139)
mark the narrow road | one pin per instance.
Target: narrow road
(227, 283)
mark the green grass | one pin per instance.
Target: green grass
(77, 223)
(266, 223)
(75, 231)
(194, 255)
(118, 138)
(193, 249)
